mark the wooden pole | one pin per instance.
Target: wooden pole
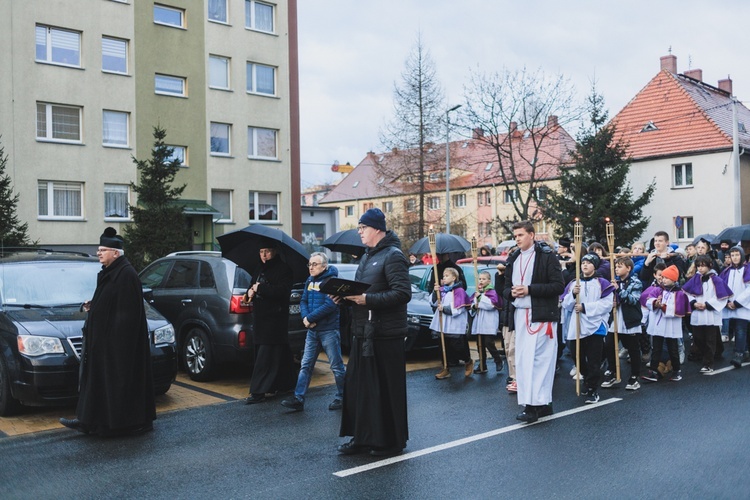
(433, 246)
(577, 240)
(480, 349)
(610, 229)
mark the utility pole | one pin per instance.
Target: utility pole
(736, 165)
(448, 168)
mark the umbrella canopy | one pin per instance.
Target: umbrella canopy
(708, 237)
(444, 243)
(347, 241)
(735, 234)
(242, 247)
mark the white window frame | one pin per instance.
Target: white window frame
(433, 203)
(112, 40)
(49, 45)
(411, 205)
(111, 188)
(165, 8)
(349, 210)
(212, 74)
(252, 143)
(181, 80)
(224, 219)
(50, 124)
(251, 22)
(459, 200)
(510, 195)
(221, 8)
(121, 142)
(687, 231)
(387, 207)
(251, 75)
(179, 153)
(50, 186)
(229, 139)
(253, 200)
(683, 169)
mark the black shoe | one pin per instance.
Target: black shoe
(254, 399)
(351, 448)
(293, 404)
(737, 360)
(499, 365)
(336, 404)
(529, 415)
(75, 424)
(385, 452)
(544, 411)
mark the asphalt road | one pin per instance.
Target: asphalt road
(686, 439)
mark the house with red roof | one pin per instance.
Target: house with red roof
(690, 138)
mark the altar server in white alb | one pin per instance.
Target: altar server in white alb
(534, 282)
(484, 309)
(737, 278)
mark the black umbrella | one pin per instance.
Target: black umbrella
(242, 247)
(708, 237)
(444, 243)
(347, 241)
(735, 234)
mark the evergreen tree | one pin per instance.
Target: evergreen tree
(597, 185)
(159, 224)
(12, 232)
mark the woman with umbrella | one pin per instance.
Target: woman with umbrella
(269, 293)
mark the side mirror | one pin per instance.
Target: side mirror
(148, 295)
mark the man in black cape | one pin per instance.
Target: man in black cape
(374, 412)
(116, 384)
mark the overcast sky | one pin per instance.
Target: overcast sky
(352, 52)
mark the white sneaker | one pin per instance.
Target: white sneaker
(633, 385)
(623, 353)
(725, 338)
(610, 382)
(573, 372)
(578, 377)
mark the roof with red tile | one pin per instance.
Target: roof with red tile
(686, 116)
(473, 164)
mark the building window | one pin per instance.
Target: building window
(682, 175)
(433, 203)
(411, 205)
(169, 16)
(58, 46)
(387, 207)
(221, 200)
(684, 228)
(261, 143)
(114, 55)
(114, 128)
(220, 138)
(367, 206)
(60, 200)
(116, 201)
(510, 195)
(350, 210)
(170, 85)
(459, 200)
(218, 72)
(179, 153)
(484, 198)
(261, 79)
(484, 229)
(541, 193)
(264, 207)
(217, 10)
(259, 16)
(58, 123)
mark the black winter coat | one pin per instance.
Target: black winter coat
(546, 284)
(271, 303)
(386, 269)
(116, 381)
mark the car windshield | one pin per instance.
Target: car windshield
(47, 283)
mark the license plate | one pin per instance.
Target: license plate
(294, 309)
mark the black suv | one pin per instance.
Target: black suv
(42, 292)
(201, 294)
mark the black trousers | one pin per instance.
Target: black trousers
(705, 337)
(591, 360)
(488, 345)
(673, 348)
(457, 348)
(633, 346)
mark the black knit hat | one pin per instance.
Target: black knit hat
(374, 218)
(593, 258)
(110, 239)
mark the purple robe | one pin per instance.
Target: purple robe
(745, 276)
(694, 286)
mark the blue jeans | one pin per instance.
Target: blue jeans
(739, 328)
(330, 342)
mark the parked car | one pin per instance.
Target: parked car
(42, 293)
(419, 316)
(420, 274)
(201, 294)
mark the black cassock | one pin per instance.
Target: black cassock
(116, 387)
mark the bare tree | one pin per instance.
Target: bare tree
(412, 133)
(519, 116)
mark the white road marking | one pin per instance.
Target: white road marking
(725, 369)
(466, 440)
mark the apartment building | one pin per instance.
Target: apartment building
(86, 82)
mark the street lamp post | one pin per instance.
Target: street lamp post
(448, 168)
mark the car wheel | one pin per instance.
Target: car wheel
(8, 405)
(196, 352)
(158, 391)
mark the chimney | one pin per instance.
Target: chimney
(726, 85)
(696, 74)
(551, 121)
(477, 133)
(513, 127)
(669, 63)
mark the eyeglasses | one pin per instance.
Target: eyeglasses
(361, 228)
(314, 264)
(102, 250)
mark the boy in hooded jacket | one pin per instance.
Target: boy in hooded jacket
(737, 278)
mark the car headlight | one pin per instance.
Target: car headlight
(164, 335)
(33, 345)
(413, 319)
